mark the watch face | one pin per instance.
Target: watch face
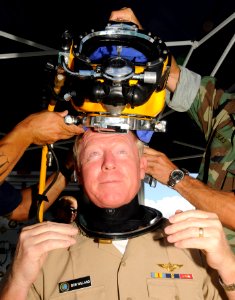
(177, 175)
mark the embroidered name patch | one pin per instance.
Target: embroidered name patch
(74, 284)
(171, 275)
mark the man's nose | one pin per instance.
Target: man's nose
(109, 162)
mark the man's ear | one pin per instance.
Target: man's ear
(143, 166)
(78, 175)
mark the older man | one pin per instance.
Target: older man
(122, 253)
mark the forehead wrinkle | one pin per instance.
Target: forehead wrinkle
(113, 138)
(128, 138)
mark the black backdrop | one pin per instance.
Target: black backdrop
(23, 79)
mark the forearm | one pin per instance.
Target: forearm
(55, 190)
(12, 147)
(227, 275)
(205, 198)
(174, 76)
(10, 290)
(184, 89)
(21, 213)
(40, 128)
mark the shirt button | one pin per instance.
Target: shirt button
(124, 264)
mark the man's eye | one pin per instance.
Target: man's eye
(122, 152)
(94, 154)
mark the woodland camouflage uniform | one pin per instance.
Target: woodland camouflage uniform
(214, 112)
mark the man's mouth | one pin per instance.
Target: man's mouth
(110, 181)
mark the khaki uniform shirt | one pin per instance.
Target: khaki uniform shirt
(95, 271)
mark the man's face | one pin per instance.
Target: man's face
(111, 168)
(67, 210)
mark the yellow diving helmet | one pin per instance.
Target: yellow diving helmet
(115, 77)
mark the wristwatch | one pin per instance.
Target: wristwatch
(176, 176)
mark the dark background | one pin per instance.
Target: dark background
(23, 80)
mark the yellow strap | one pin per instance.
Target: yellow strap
(43, 174)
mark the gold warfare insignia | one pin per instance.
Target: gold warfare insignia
(170, 267)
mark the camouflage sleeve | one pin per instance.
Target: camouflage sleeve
(185, 92)
(214, 112)
(207, 104)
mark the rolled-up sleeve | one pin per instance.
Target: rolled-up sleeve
(185, 92)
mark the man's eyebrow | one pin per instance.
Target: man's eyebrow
(92, 147)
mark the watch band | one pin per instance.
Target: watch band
(186, 172)
(227, 287)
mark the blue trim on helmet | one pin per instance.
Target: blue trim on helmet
(111, 51)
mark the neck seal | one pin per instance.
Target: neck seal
(128, 221)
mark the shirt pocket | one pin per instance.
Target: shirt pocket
(91, 293)
(169, 289)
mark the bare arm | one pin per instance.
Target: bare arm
(21, 212)
(196, 192)
(174, 76)
(39, 128)
(208, 199)
(184, 233)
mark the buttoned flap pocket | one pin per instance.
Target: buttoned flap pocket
(172, 289)
(90, 293)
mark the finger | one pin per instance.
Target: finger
(49, 226)
(192, 225)
(151, 163)
(118, 16)
(77, 128)
(69, 131)
(186, 233)
(124, 14)
(194, 243)
(35, 251)
(63, 113)
(161, 166)
(34, 240)
(150, 151)
(151, 158)
(192, 214)
(210, 240)
(50, 245)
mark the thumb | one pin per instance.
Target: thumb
(178, 211)
(63, 113)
